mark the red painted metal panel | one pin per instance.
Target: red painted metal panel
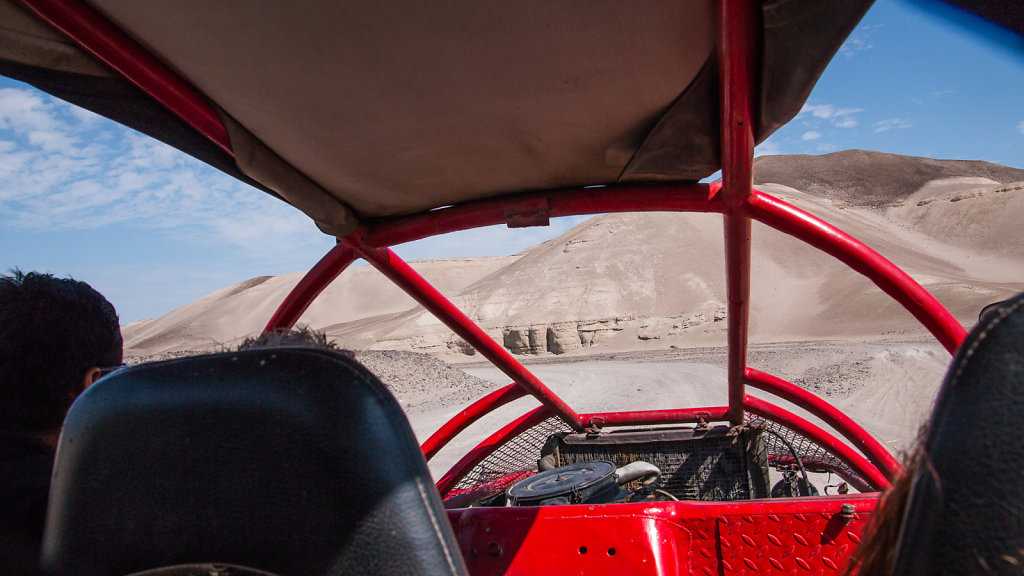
(875, 452)
(312, 284)
(819, 542)
(530, 543)
(423, 292)
(771, 536)
(489, 445)
(855, 254)
(858, 463)
(96, 35)
(571, 202)
(467, 417)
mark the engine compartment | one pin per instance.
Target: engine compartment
(703, 463)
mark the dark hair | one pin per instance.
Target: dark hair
(305, 337)
(876, 553)
(52, 331)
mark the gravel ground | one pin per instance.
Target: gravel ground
(422, 383)
(419, 382)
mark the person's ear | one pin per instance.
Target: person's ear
(91, 376)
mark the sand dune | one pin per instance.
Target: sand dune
(227, 316)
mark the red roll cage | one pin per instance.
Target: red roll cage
(734, 198)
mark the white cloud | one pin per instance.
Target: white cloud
(811, 135)
(892, 124)
(768, 148)
(24, 110)
(61, 167)
(932, 96)
(856, 42)
(1020, 127)
(838, 117)
(818, 110)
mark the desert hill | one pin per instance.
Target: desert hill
(656, 280)
(869, 179)
(225, 317)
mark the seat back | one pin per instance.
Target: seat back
(285, 460)
(965, 514)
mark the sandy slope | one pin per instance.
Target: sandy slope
(227, 316)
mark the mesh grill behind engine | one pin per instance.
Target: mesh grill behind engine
(712, 465)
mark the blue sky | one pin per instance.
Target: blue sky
(154, 229)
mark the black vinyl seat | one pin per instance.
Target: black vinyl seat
(966, 513)
(287, 460)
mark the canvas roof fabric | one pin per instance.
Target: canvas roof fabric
(352, 111)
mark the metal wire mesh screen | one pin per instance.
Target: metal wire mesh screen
(513, 461)
(813, 456)
(517, 458)
(712, 465)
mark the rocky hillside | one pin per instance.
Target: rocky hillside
(656, 280)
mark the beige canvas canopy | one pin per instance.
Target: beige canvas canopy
(353, 110)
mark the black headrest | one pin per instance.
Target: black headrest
(288, 460)
(966, 514)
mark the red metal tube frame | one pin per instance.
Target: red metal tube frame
(97, 36)
(467, 417)
(94, 33)
(875, 452)
(489, 445)
(681, 197)
(312, 284)
(736, 59)
(737, 39)
(858, 256)
(737, 276)
(858, 463)
(403, 276)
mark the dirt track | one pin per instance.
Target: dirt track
(886, 385)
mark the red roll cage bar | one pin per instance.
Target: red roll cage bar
(734, 198)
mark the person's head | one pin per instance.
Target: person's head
(305, 336)
(55, 336)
